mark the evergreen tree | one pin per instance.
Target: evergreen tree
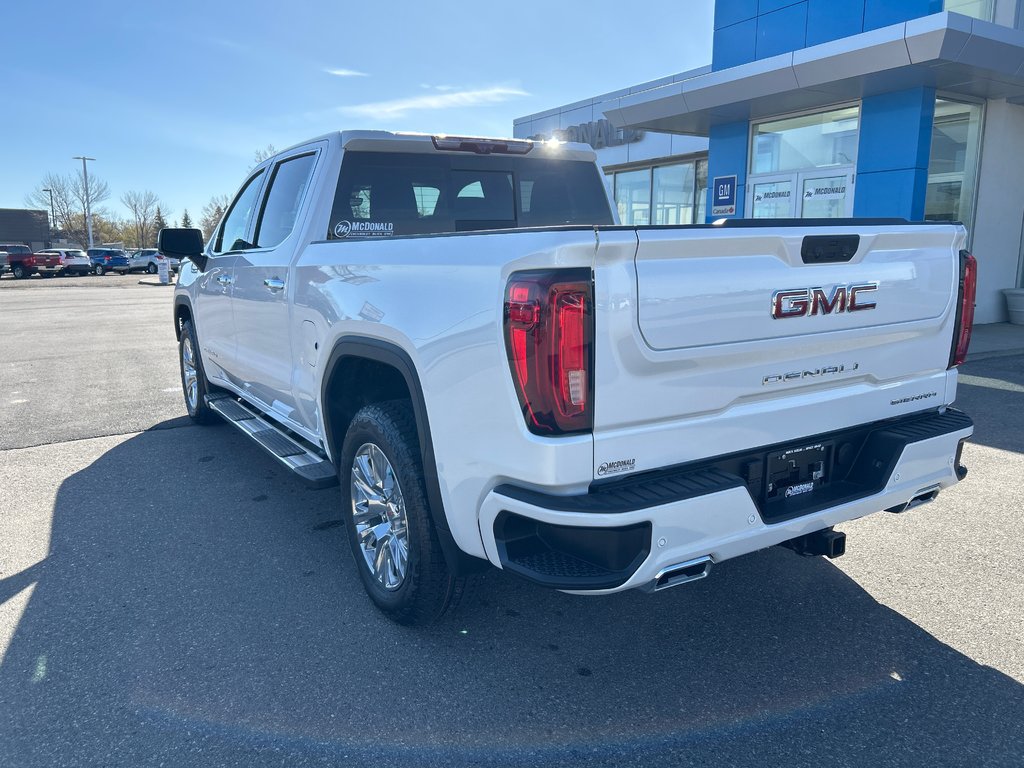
(186, 220)
(159, 222)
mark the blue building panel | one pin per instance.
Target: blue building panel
(734, 45)
(781, 31)
(832, 19)
(882, 13)
(885, 194)
(727, 156)
(729, 12)
(767, 6)
(895, 130)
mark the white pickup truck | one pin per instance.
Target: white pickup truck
(458, 330)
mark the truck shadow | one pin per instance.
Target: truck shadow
(992, 392)
(198, 606)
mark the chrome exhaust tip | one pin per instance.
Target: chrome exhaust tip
(682, 573)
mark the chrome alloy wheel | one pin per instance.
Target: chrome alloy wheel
(191, 376)
(378, 510)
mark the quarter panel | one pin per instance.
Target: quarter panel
(440, 299)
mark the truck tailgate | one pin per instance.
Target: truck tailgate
(715, 340)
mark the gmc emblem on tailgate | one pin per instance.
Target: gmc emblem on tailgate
(801, 302)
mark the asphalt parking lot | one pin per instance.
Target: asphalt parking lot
(168, 596)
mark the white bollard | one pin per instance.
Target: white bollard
(163, 269)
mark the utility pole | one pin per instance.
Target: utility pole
(88, 212)
(53, 217)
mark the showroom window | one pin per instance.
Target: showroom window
(803, 165)
(979, 9)
(953, 164)
(662, 194)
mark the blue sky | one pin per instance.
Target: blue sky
(177, 97)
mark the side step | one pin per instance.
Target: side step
(312, 468)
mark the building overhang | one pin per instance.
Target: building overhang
(947, 51)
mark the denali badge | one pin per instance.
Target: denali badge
(800, 302)
(810, 373)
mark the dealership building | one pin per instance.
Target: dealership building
(829, 108)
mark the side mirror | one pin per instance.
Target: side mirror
(182, 244)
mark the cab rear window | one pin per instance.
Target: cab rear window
(382, 194)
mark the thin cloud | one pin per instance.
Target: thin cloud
(396, 108)
(345, 73)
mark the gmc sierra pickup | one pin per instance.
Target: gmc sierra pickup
(458, 331)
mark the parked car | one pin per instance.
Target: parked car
(23, 263)
(3, 262)
(148, 260)
(109, 260)
(72, 260)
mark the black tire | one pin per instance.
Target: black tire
(151, 269)
(19, 272)
(428, 588)
(98, 269)
(196, 406)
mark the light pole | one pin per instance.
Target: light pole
(53, 218)
(85, 176)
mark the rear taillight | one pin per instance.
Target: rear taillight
(965, 309)
(549, 338)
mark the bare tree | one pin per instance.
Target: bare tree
(142, 207)
(262, 154)
(212, 213)
(69, 201)
(67, 217)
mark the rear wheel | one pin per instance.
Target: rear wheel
(193, 379)
(388, 520)
(99, 270)
(151, 268)
(19, 271)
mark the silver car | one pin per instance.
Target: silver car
(148, 260)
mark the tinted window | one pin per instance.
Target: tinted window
(382, 194)
(231, 236)
(287, 188)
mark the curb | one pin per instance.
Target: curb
(156, 282)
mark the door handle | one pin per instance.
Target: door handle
(225, 279)
(274, 283)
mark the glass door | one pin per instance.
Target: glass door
(772, 197)
(825, 194)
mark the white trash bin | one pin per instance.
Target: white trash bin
(163, 269)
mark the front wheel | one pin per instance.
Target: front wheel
(193, 378)
(387, 516)
(19, 272)
(98, 269)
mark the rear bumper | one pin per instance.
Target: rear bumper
(621, 535)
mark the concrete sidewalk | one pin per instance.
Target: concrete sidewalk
(996, 340)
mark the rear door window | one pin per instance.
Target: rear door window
(383, 194)
(281, 208)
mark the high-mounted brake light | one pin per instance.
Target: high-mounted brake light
(482, 146)
(965, 310)
(549, 335)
